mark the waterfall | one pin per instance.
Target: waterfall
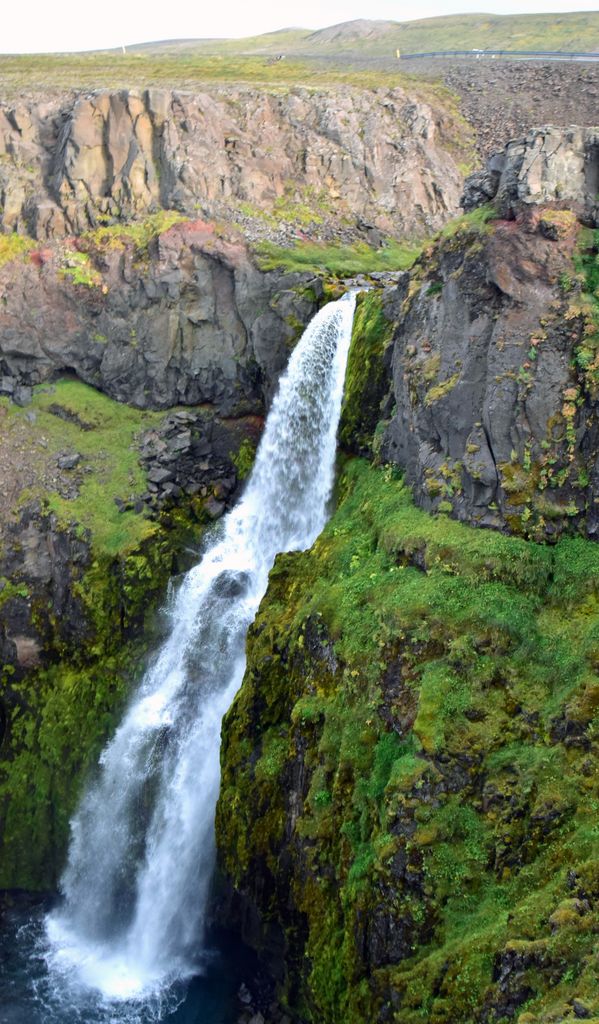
(142, 846)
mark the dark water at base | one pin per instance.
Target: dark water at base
(29, 994)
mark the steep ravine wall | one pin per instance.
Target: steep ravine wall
(408, 813)
(407, 820)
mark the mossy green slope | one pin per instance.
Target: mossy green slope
(409, 770)
(57, 718)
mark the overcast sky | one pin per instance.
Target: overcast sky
(32, 26)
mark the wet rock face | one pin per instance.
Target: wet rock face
(192, 322)
(548, 165)
(378, 157)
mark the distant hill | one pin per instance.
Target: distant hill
(575, 31)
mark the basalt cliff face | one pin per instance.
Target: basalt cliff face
(378, 159)
(406, 822)
(549, 165)
(187, 318)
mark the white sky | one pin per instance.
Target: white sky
(31, 26)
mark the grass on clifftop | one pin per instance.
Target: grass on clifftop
(52, 73)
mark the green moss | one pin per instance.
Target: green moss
(422, 678)
(306, 206)
(59, 723)
(366, 377)
(8, 590)
(78, 268)
(441, 389)
(70, 416)
(243, 459)
(138, 233)
(338, 260)
(474, 222)
(586, 307)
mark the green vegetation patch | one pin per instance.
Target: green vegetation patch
(434, 687)
(585, 304)
(476, 221)
(338, 260)
(138, 233)
(14, 247)
(367, 376)
(57, 727)
(74, 418)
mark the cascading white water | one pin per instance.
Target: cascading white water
(142, 847)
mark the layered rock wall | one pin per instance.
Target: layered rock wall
(378, 157)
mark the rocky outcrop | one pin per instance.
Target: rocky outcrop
(379, 159)
(484, 387)
(550, 165)
(188, 319)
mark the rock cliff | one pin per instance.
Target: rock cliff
(549, 165)
(486, 363)
(406, 825)
(375, 159)
(179, 316)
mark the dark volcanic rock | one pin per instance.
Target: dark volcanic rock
(194, 322)
(492, 418)
(549, 165)
(39, 564)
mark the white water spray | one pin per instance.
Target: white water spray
(142, 848)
